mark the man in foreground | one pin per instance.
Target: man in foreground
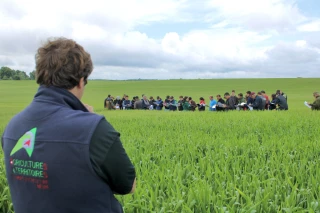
(59, 155)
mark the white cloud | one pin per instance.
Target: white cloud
(301, 43)
(38, 13)
(242, 38)
(313, 26)
(279, 15)
(221, 24)
(292, 54)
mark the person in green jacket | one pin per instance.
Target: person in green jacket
(316, 104)
(241, 99)
(185, 104)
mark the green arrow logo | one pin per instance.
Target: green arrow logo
(26, 142)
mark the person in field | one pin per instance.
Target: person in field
(202, 104)
(159, 103)
(220, 103)
(267, 99)
(186, 104)
(272, 105)
(258, 103)
(230, 102)
(59, 155)
(172, 104)
(234, 97)
(241, 102)
(110, 103)
(145, 102)
(105, 101)
(249, 98)
(123, 97)
(117, 103)
(180, 103)
(316, 104)
(137, 103)
(282, 93)
(264, 100)
(133, 101)
(241, 99)
(126, 103)
(233, 93)
(281, 102)
(192, 103)
(166, 103)
(212, 104)
(152, 102)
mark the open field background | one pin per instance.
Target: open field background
(206, 162)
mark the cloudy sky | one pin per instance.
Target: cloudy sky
(167, 39)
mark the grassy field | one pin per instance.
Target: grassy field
(205, 161)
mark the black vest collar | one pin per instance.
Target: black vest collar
(59, 96)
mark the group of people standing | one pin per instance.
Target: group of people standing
(249, 101)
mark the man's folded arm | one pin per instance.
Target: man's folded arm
(110, 160)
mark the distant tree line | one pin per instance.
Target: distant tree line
(7, 73)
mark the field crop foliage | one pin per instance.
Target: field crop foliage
(206, 161)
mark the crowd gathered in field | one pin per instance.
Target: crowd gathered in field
(249, 101)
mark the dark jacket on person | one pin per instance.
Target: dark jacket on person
(258, 103)
(281, 102)
(118, 102)
(235, 99)
(132, 103)
(231, 103)
(250, 100)
(180, 105)
(138, 104)
(48, 160)
(126, 104)
(193, 105)
(159, 104)
(264, 102)
(145, 104)
(220, 102)
(272, 104)
(316, 104)
(166, 104)
(285, 96)
(172, 105)
(153, 103)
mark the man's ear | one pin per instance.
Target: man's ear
(81, 83)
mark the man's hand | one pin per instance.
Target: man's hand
(134, 186)
(89, 108)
